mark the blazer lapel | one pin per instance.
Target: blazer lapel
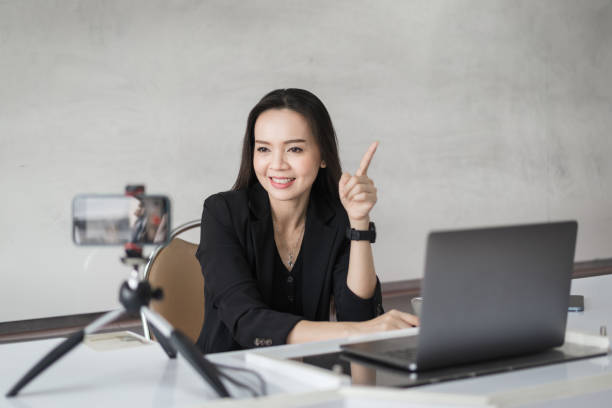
(262, 237)
(318, 242)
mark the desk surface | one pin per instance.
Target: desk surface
(143, 374)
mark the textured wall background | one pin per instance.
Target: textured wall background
(488, 112)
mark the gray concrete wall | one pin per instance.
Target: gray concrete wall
(488, 112)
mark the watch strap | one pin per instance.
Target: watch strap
(362, 235)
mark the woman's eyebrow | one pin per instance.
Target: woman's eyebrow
(285, 142)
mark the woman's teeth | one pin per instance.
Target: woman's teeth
(282, 180)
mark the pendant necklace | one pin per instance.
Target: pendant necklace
(291, 261)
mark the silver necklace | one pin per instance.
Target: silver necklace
(291, 261)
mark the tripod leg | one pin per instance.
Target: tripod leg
(64, 347)
(163, 341)
(188, 350)
(204, 367)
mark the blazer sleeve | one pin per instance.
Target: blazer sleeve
(349, 306)
(230, 281)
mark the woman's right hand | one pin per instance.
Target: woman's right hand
(306, 330)
(392, 320)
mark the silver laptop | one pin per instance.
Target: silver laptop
(488, 293)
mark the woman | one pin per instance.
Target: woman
(275, 250)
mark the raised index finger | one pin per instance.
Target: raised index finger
(367, 158)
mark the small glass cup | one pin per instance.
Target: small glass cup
(417, 303)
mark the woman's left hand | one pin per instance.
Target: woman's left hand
(357, 192)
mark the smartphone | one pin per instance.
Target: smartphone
(105, 219)
(576, 303)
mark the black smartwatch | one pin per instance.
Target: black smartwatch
(360, 235)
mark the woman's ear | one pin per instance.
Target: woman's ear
(323, 164)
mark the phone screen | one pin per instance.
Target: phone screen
(119, 219)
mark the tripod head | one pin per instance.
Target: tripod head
(136, 292)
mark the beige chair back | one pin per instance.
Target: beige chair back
(175, 269)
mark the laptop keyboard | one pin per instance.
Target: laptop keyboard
(402, 354)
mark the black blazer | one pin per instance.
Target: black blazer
(237, 251)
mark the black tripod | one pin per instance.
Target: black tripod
(134, 295)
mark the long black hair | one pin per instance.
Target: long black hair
(315, 113)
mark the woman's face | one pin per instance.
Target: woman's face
(286, 157)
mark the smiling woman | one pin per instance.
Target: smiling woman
(292, 235)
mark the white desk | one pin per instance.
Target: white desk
(144, 376)
(140, 375)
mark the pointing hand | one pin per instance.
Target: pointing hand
(357, 192)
